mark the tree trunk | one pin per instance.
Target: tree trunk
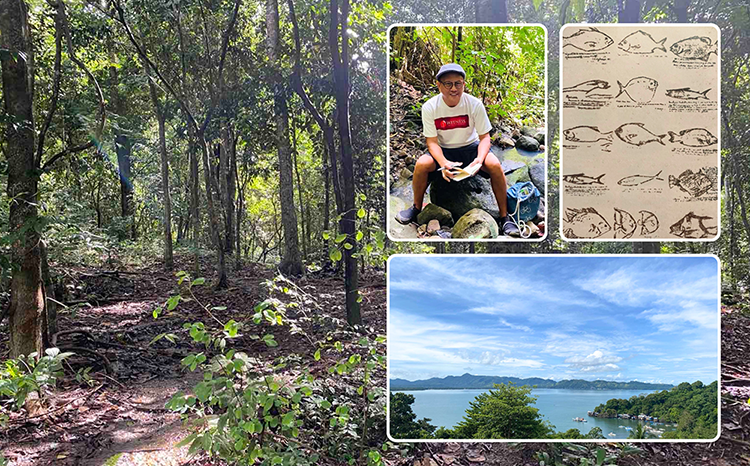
(195, 219)
(160, 117)
(291, 264)
(49, 292)
(123, 148)
(629, 11)
(231, 189)
(499, 11)
(680, 9)
(213, 214)
(27, 293)
(299, 191)
(348, 221)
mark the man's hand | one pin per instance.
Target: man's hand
(446, 170)
(477, 161)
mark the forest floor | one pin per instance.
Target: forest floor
(121, 419)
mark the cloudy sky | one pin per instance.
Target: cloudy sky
(652, 319)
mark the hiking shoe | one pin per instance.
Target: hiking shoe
(407, 216)
(510, 228)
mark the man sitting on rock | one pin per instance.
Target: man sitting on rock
(457, 130)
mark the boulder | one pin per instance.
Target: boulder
(395, 229)
(536, 172)
(405, 174)
(459, 197)
(511, 165)
(527, 143)
(516, 176)
(539, 136)
(475, 224)
(528, 131)
(435, 212)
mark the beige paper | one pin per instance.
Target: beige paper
(640, 132)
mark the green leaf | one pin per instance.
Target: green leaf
(335, 254)
(340, 238)
(359, 236)
(172, 302)
(361, 213)
(186, 440)
(325, 404)
(198, 281)
(348, 246)
(600, 454)
(157, 312)
(317, 355)
(326, 235)
(536, 4)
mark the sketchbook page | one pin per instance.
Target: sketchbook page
(640, 132)
(463, 173)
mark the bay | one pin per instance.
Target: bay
(558, 406)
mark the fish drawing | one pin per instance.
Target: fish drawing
(685, 93)
(586, 134)
(694, 48)
(694, 226)
(694, 137)
(588, 86)
(641, 42)
(637, 134)
(624, 224)
(588, 40)
(649, 222)
(581, 179)
(695, 184)
(585, 223)
(637, 180)
(641, 89)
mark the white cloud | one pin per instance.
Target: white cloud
(681, 315)
(597, 358)
(602, 368)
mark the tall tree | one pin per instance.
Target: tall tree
(347, 225)
(27, 293)
(291, 262)
(161, 120)
(498, 11)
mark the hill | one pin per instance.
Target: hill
(468, 381)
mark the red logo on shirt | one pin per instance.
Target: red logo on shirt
(452, 122)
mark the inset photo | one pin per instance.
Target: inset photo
(467, 132)
(553, 348)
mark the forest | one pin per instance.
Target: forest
(193, 230)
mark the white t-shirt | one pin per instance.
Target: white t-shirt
(455, 126)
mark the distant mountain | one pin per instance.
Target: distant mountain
(468, 381)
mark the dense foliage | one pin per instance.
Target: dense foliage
(487, 381)
(692, 406)
(402, 419)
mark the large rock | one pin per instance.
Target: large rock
(475, 224)
(527, 143)
(395, 229)
(511, 165)
(539, 136)
(505, 142)
(520, 175)
(536, 172)
(528, 131)
(435, 212)
(459, 197)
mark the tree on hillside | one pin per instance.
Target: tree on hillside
(503, 413)
(403, 419)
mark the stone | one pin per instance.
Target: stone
(459, 197)
(506, 129)
(527, 143)
(505, 142)
(517, 176)
(405, 174)
(515, 134)
(536, 172)
(539, 136)
(528, 131)
(511, 165)
(411, 167)
(435, 212)
(475, 224)
(542, 148)
(395, 229)
(410, 160)
(433, 226)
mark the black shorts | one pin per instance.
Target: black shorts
(463, 155)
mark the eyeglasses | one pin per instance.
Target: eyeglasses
(449, 85)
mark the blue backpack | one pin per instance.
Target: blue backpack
(523, 201)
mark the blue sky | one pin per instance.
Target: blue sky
(652, 319)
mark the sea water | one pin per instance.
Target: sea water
(558, 406)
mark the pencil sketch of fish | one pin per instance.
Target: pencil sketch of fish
(637, 180)
(695, 184)
(695, 48)
(624, 225)
(588, 40)
(641, 43)
(636, 134)
(641, 89)
(649, 222)
(584, 223)
(685, 93)
(694, 226)
(694, 137)
(581, 179)
(588, 86)
(586, 134)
